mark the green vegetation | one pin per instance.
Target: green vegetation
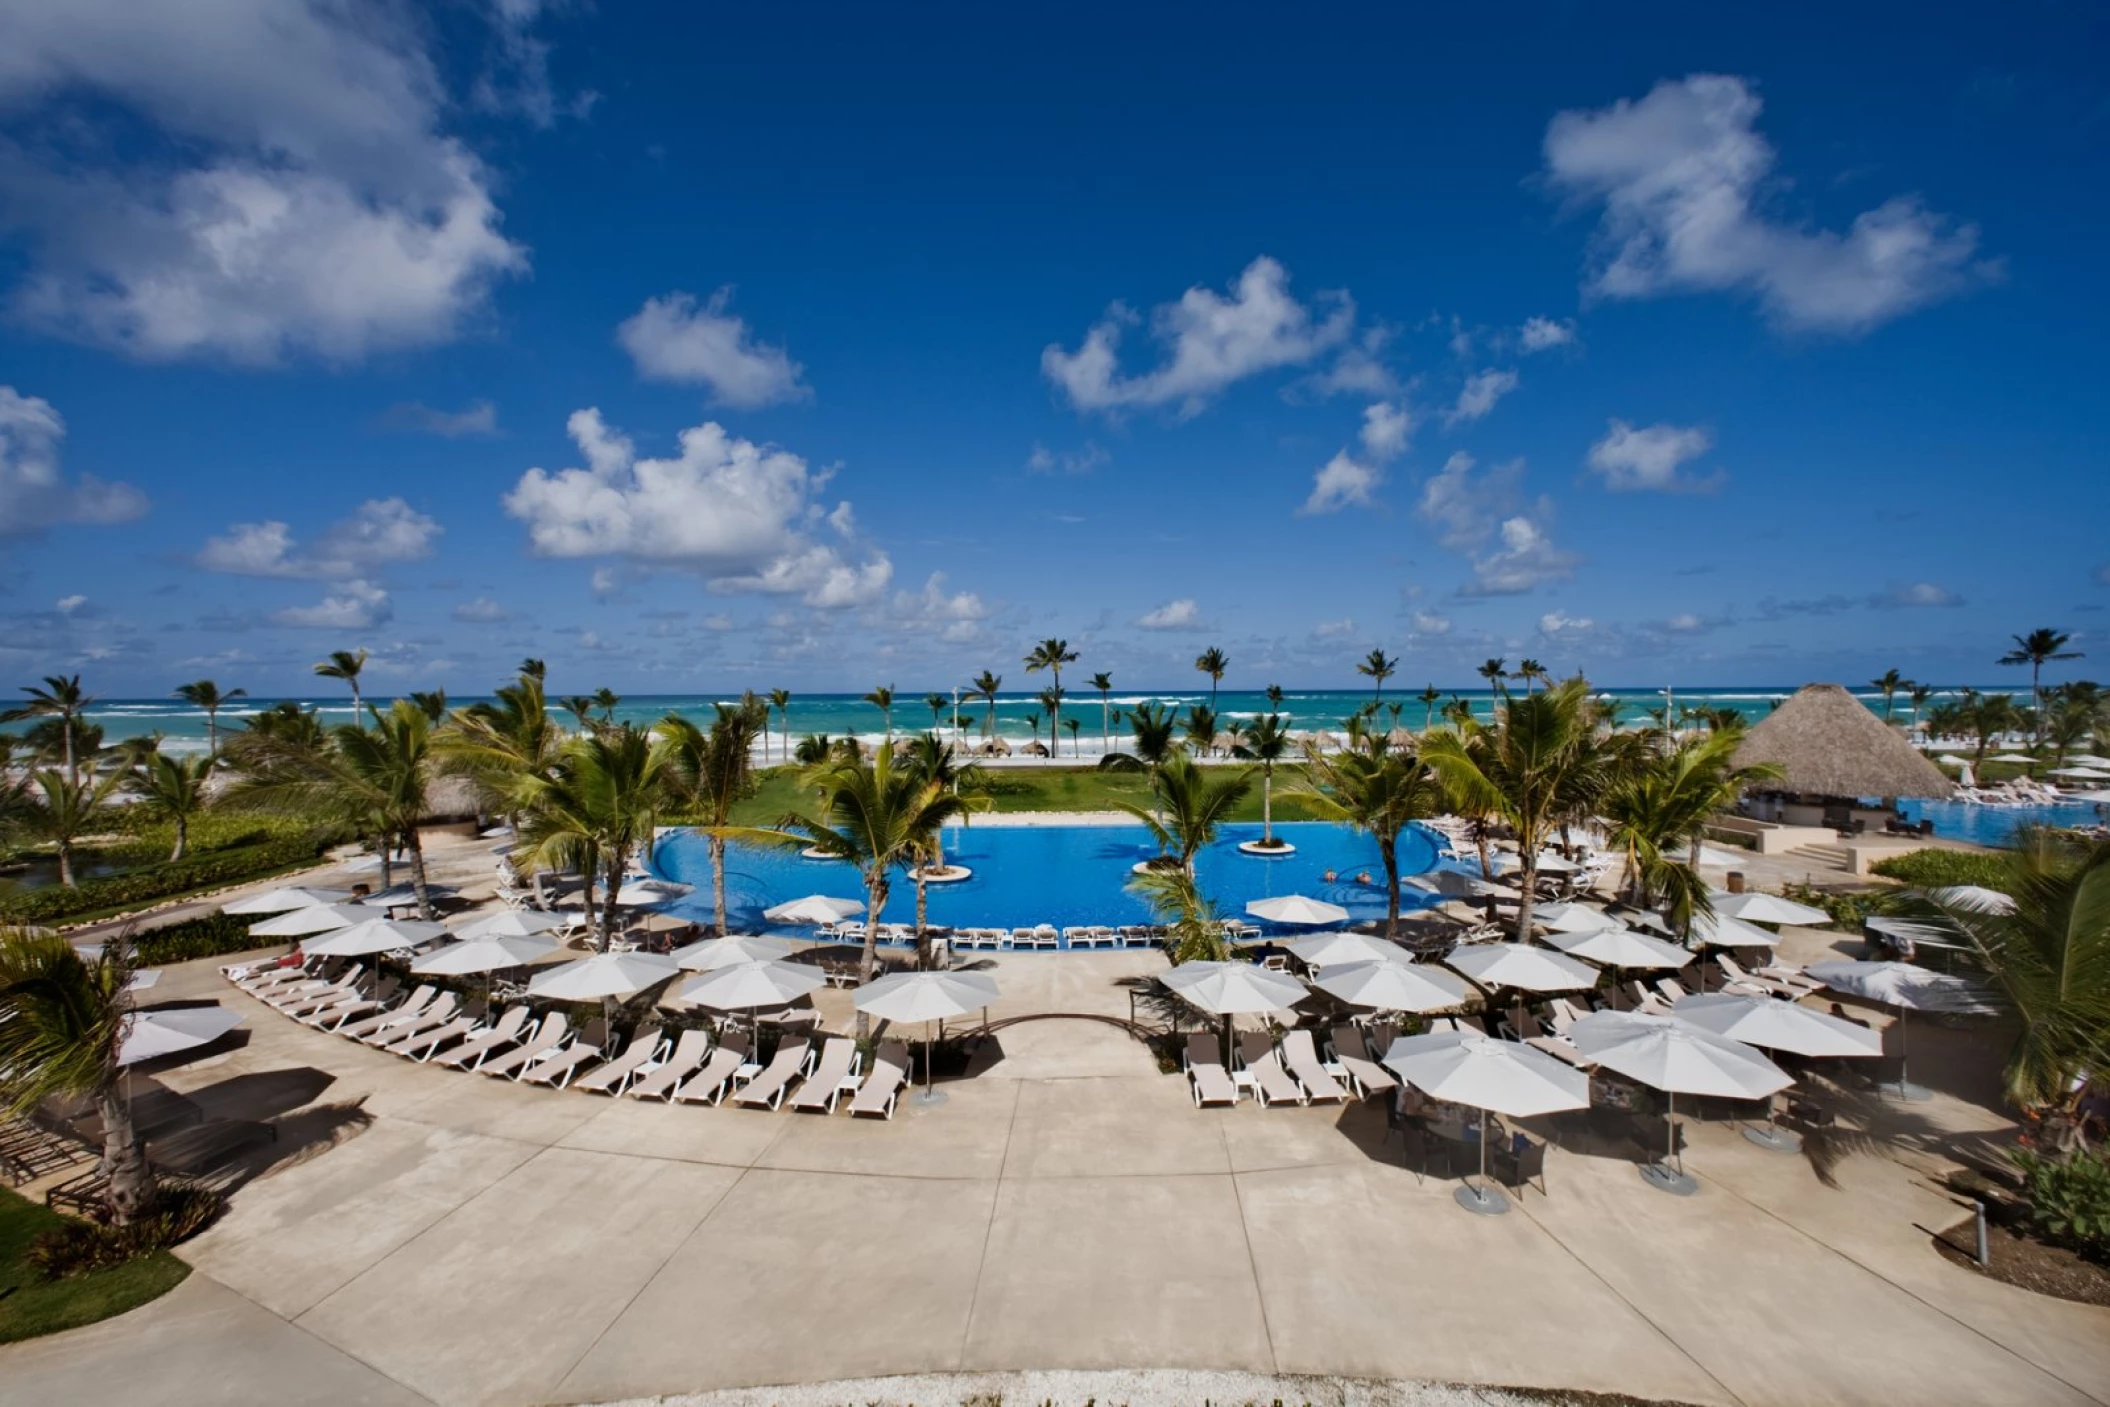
(1933, 869)
(30, 1305)
(211, 936)
(265, 850)
(2069, 1198)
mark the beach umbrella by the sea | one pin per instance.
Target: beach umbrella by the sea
(1721, 931)
(1665, 1053)
(1908, 989)
(713, 953)
(602, 976)
(488, 953)
(1527, 969)
(279, 901)
(1297, 909)
(1759, 907)
(1333, 949)
(1568, 917)
(1620, 947)
(517, 923)
(815, 908)
(927, 997)
(150, 1035)
(1501, 1077)
(375, 935)
(310, 918)
(1391, 985)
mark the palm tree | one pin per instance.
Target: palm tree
(1267, 742)
(62, 1022)
(534, 669)
(175, 787)
(1033, 722)
(607, 700)
(931, 758)
(1273, 694)
(780, 700)
(595, 808)
(206, 695)
(495, 744)
(985, 687)
(60, 699)
(1154, 729)
(57, 808)
(1075, 725)
(711, 772)
(814, 748)
(2037, 649)
(882, 698)
(346, 665)
(1377, 789)
(1888, 685)
(1052, 655)
(1191, 806)
(1660, 802)
(1378, 666)
(1050, 699)
(1494, 671)
(1528, 768)
(1202, 729)
(1919, 694)
(1213, 663)
(1430, 697)
(1197, 929)
(1530, 671)
(580, 707)
(2074, 719)
(1988, 717)
(936, 704)
(1104, 683)
(431, 702)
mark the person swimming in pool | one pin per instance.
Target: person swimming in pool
(1329, 877)
(1364, 878)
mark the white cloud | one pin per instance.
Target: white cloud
(1340, 482)
(1525, 557)
(674, 339)
(720, 623)
(951, 615)
(1210, 342)
(482, 611)
(738, 514)
(1651, 457)
(416, 418)
(298, 194)
(1479, 394)
(350, 605)
(1070, 462)
(381, 532)
(1680, 174)
(34, 494)
(1181, 614)
(1553, 623)
(1465, 506)
(67, 605)
(1429, 623)
(1544, 334)
(1357, 371)
(1388, 429)
(1334, 629)
(1914, 595)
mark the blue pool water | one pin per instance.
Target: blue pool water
(1996, 825)
(1064, 875)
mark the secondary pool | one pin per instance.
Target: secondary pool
(1063, 875)
(1996, 825)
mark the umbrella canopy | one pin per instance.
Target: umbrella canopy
(714, 953)
(1952, 760)
(2098, 797)
(492, 953)
(925, 996)
(400, 895)
(313, 918)
(1297, 909)
(1721, 931)
(1755, 907)
(814, 908)
(2086, 774)
(1974, 898)
(2092, 759)
(602, 975)
(1232, 988)
(1902, 985)
(1665, 1053)
(516, 923)
(1525, 968)
(644, 893)
(375, 935)
(750, 984)
(1572, 918)
(2013, 757)
(1776, 1025)
(1333, 949)
(1506, 1077)
(149, 1035)
(1456, 884)
(1620, 947)
(1549, 862)
(1391, 985)
(278, 901)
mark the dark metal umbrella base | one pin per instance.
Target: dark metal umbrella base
(928, 1098)
(1665, 1178)
(1481, 1201)
(1774, 1138)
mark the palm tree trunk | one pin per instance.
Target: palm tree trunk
(868, 958)
(1530, 887)
(717, 848)
(1388, 851)
(417, 873)
(608, 906)
(129, 1176)
(182, 838)
(922, 929)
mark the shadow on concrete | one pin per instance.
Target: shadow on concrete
(265, 1094)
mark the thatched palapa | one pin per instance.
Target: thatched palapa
(1831, 745)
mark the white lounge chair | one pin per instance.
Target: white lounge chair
(1271, 1083)
(708, 1084)
(615, 1076)
(399, 1015)
(657, 1080)
(766, 1089)
(480, 1043)
(548, 1036)
(1365, 1075)
(877, 1095)
(421, 1045)
(557, 1067)
(1300, 1053)
(837, 1065)
(1207, 1080)
(431, 1018)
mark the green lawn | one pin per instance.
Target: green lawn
(30, 1306)
(1053, 789)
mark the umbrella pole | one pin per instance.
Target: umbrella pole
(1480, 1199)
(1906, 1089)
(1670, 1175)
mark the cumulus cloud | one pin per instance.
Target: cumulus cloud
(1340, 482)
(1180, 614)
(1429, 623)
(1544, 334)
(350, 605)
(1334, 629)
(1524, 557)
(380, 533)
(482, 611)
(34, 493)
(955, 616)
(1209, 342)
(1681, 174)
(676, 339)
(70, 605)
(1388, 428)
(1555, 623)
(302, 198)
(1479, 394)
(1483, 515)
(1465, 505)
(1069, 462)
(1914, 595)
(743, 516)
(1630, 459)
(416, 418)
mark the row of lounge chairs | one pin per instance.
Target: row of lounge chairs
(689, 1067)
(1291, 1071)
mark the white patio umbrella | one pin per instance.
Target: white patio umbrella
(1721, 931)
(1456, 884)
(2098, 797)
(603, 975)
(645, 893)
(1230, 989)
(515, 923)
(2085, 774)
(1297, 909)
(2092, 759)
(375, 935)
(278, 901)
(149, 1035)
(1391, 985)
(313, 918)
(490, 953)
(1551, 862)
(927, 997)
(1667, 1054)
(402, 895)
(750, 986)
(1776, 1025)
(1953, 760)
(1333, 949)
(1755, 907)
(1495, 965)
(1620, 947)
(1572, 918)
(815, 908)
(1501, 1077)
(713, 953)
(1908, 989)
(1973, 898)
(2016, 757)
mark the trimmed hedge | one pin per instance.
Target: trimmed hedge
(1932, 869)
(195, 938)
(138, 888)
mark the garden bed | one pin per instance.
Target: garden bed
(31, 1306)
(2018, 1258)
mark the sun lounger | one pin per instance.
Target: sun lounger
(337, 1013)
(708, 1084)
(411, 1005)
(480, 1043)
(556, 1068)
(1364, 1074)
(306, 996)
(1207, 1080)
(1671, 989)
(882, 1087)
(766, 1089)
(548, 1036)
(420, 1045)
(656, 1079)
(432, 1017)
(1271, 1083)
(1301, 1055)
(616, 1074)
(837, 1065)
(1561, 1048)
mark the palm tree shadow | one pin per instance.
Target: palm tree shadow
(303, 1134)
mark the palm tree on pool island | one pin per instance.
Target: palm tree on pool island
(1266, 742)
(2037, 649)
(1191, 805)
(1213, 663)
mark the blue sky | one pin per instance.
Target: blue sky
(692, 350)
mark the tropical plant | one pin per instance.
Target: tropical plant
(62, 1024)
(2072, 721)
(607, 700)
(711, 772)
(814, 748)
(882, 698)
(1177, 902)
(1075, 725)
(1379, 790)
(534, 669)
(61, 701)
(1191, 805)
(347, 666)
(2037, 649)
(1377, 667)
(1274, 696)
(57, 808)
(1033, 722)
(1531, 672)
(936, 702)
(1104, 684)
(1052, 655)
(1658, 805)
(1919, 694)
(580, 707)
(1430, 697)
(986, 686)
(1213, 663)
(494, 744)
(1050, 699)
(1266, 741)
(2069, 1198)
(780, 700)
(1152, 728)
(1888, 684)
(1495, 672)
(205, 694)
(1988, 718)
(1202, 729)
(593, 811)
(176, 787)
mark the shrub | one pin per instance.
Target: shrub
(2070, 1199)
(138, 888)
(82, 1247)
(1932, 869)
(1847, 910)
(194, 938)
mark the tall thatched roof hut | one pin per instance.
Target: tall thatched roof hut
(1831, 745)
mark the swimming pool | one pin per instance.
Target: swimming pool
(1996, 825)
(1063, 875)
